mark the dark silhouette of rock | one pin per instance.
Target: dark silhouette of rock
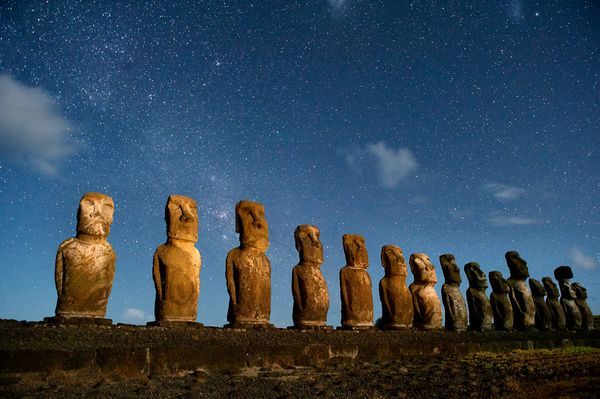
(500, 302)
(309, 289)
(563, 274)
(543, 317)
(587, 318)
(355, 285)
(480, 309)
(426, 304)
(455, 307)
(556, 309)
(396, 299)
(520, 296)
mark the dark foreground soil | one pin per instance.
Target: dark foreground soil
(558, 373)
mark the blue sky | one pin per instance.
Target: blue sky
(469, 128)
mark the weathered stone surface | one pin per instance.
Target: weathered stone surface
(355, 284)
(309, 289)
(454, 303)
(480, 309)
(587, 318)
(85, 264)
(543, 317)
(396, 299)
(563, 274)
(500, 302)
(520, 296)
(176, 264)
(556, 309)
(426, 304)
(248, 269)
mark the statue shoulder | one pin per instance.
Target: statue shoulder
(69, 242)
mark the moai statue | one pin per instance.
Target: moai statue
(454, 303)
(500, 302)
(587, 318)
(543, 317)
(396, 299)
(176, 265)
(426, 304)
(480, 309)
(309, 289)
(355, 285)
(556, 309)
(248, 270)
(520, 296)
(85, 264)
(567, 297)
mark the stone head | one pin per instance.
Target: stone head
(551, 288)
(355, 251)
(181, 215)
(251, 224)
(393, 261)
(516, 265)
(308, 243)
(537, 288)
(422, 268)
(450, 269)
(499, 283)
(95, 215)
(580, 291)
(476, 276)
(563, 273)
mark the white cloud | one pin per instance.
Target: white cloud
(135, 315)
(503, 191)
(580, 259)
(31, 128)
(393, 165)
(505, 220)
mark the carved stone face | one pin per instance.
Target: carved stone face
(580, 291)
(355, 251)
(95, 215)
(181, 216)
(551, 288)
(393, 261)
(537, 288)
(422, 268)
(516, 265)
(450, 269)
(251, 224)
(499, 283)
(308, 243)
(475, 275)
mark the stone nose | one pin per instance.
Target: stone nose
(186, 215)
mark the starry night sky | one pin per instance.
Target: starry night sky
(439, 126)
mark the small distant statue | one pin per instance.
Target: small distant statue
(248, 270)
(556, 309)
(355, 285)
(543, 317)
(454, 303)
(396, 299)
(520, 296)
(480, 310)
(426, 304)
(176, 264)
(309, 289)
(567, 297)
(587, 318)
(500, 302)
(85, 264)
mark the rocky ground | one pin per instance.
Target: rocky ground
(558, 373)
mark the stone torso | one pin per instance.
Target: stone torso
(396, 302)
(543, 317)
(572, 313)
(311, 301)
(454, 307)
(522, 303)
(357, 297)
(557, 313)
(502, 310)
(427, 306)
(587, 318)
(480, 310)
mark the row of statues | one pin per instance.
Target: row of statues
(85, 267)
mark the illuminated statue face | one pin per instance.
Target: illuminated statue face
(251, 224)
(308, 243)
(516, 265)
(537, 288)
(475, 275)
(499, 283)
(450, 269)
(181, 216)
(580, 291)
(422, 268)
(95, 215)
(355, 251)
(551, 288)
(393, 261)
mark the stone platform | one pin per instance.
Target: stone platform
(27, 347)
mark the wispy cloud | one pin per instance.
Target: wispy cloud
(580, 259)
(506, 220)
(393, 165)
(337, 8)
(31, 128)
(504, 192)
(132, 315)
